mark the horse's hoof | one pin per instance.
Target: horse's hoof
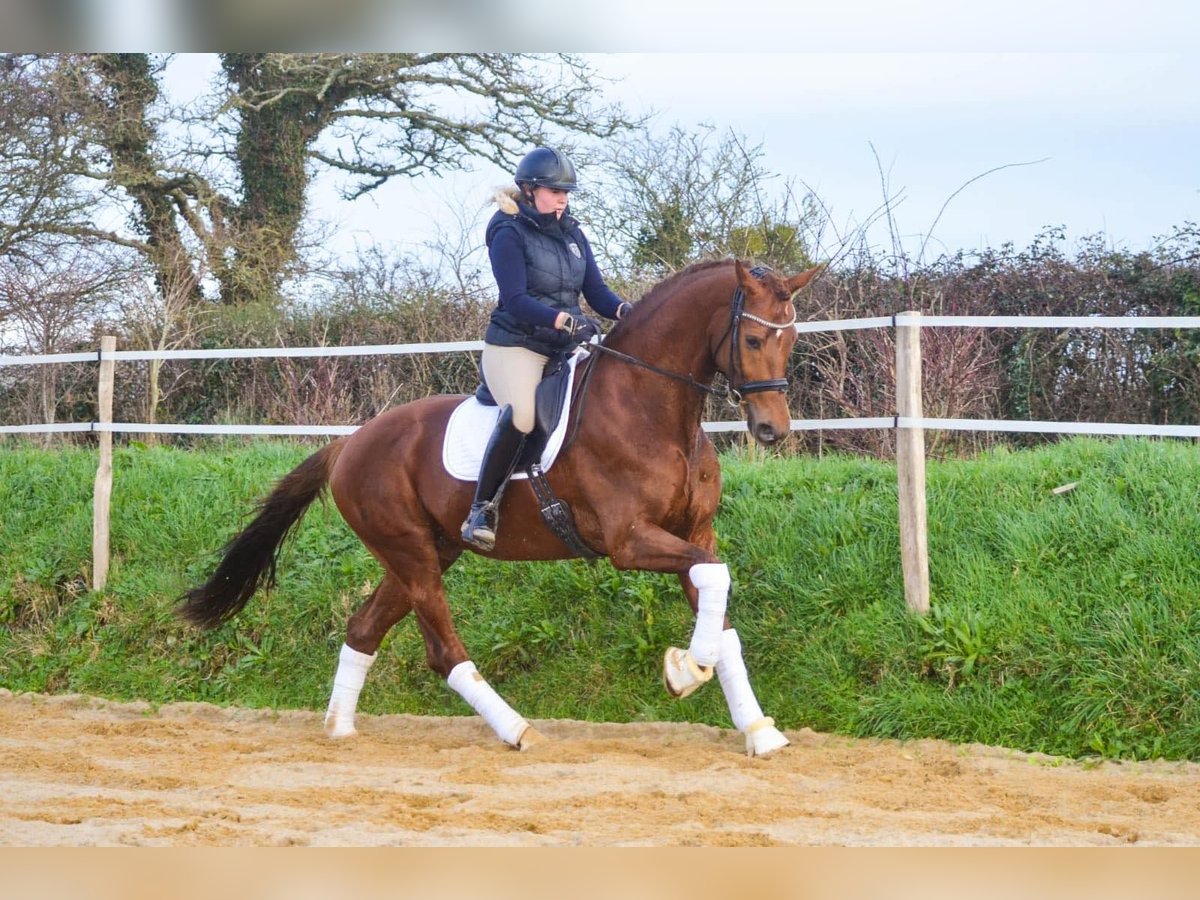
(763, 738)
(336, 731)
(530, 738)
(682, 675)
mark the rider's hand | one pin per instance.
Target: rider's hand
(623, 310)
(580, 328)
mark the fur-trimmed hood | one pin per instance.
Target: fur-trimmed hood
(506, 199)
(510, 202)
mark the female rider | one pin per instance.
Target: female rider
(542, 263)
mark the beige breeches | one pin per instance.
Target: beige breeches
(512, 375)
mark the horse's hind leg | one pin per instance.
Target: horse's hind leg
(419, 589)
(448, 657)
(386, 606)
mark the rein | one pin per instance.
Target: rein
(733, 392)
(633, 360)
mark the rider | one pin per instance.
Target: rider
(541, 262)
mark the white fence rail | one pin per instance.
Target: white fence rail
(908, 421)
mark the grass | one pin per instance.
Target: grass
(1061, 623)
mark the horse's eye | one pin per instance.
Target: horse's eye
(752, 342)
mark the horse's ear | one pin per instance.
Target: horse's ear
(745, 279)
(796, 282)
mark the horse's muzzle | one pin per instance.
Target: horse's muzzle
(765, 433)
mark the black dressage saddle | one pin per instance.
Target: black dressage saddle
(551, 395)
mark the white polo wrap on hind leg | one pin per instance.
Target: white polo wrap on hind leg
(712, 581)
(471, 686)
(762, 737)
(347, 684)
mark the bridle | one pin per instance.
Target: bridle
(734, 393)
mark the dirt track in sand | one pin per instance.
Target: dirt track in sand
(81, 771)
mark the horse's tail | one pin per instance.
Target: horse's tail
(248, 560)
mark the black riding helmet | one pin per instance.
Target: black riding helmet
(547, 168)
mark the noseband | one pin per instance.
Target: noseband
(733, 392)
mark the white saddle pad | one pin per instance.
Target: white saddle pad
(471, 425)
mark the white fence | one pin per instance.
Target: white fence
(908, 420)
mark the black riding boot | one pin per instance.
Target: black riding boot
(499, 460)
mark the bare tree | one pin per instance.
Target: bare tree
(161, 317)
(236, 190)
(665, 202)
(51, 305)
(40, 150)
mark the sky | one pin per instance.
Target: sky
(1091, 141)
(1097, 142)
(1084, 115)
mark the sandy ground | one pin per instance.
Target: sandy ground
(82, 771)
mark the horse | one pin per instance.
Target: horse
(642, 478)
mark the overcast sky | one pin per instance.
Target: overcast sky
(1091, 118)
(1092, 142)
(1113, 139)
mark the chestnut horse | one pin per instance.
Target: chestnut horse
(640, 475)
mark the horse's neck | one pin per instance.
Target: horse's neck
(674, 337)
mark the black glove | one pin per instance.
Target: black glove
(581, 329)
(624, 310)
(551, 336)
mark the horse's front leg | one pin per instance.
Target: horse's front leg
(714, 644)
(762, 737)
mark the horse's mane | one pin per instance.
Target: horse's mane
(654, 297)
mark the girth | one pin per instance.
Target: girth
(557, 514)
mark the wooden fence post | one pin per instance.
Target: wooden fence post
(910, 468)
(102, 496)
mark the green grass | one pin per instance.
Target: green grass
(1067, 624)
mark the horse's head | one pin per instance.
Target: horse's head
(754, 350)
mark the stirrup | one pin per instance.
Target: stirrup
(479, 528)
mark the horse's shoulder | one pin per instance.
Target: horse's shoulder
(703, 450)
(704, 470)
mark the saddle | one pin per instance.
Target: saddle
(549, 401)
(472, 422)
(471, 425)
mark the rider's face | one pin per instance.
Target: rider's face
(549, 200)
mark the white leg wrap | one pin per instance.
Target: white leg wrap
(712, 581)
(735, 682)
(762, 737)
(347, 683)
(470, 685)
